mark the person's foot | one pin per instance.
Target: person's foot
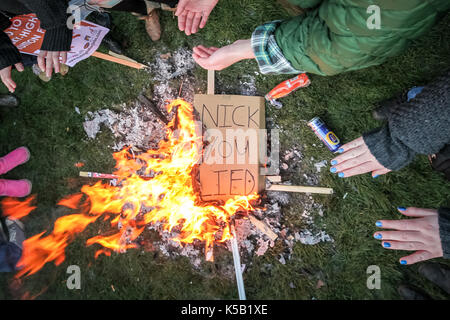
(41, 74)
(410, 293)
(104, 19)
(9, 100)
(16, 231)
(152, 25)
(437, 274)
(15, 188)
(13, 159)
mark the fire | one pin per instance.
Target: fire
(162, 192)
(15, 209)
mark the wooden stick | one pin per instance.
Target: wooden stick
(211, 85)
(124, 62)
(120, 56)
(273, 179)
(263, 227)
(305, 189)
(145, 101)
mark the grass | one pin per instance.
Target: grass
(47, 123)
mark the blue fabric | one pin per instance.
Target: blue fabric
(414, 92)
(9, 256)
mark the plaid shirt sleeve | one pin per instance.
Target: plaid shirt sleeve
(267, 52)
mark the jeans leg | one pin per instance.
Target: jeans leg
(9, 256)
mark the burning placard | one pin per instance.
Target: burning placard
(26, 34)
(232, 156)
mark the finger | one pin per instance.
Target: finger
(352, 144)
(182, 21)
(406, 224)
(63, 57)
(351, 153)
(417, 256)
(210, 51)
(380, 172)
(9, 83)
(55, 61)
(403, 245)
(351, 163)
(417, 212)
(201, 52)
(399, 236)
(196, 22)
(359, 169)
(49, 65)
(204, 19)
(41, 60)
(19, 67)
(189, 18)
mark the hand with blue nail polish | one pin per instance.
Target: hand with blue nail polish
(356, 159)
(420, 234)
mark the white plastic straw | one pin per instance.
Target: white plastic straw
(237, 265)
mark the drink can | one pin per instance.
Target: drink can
(328, 137)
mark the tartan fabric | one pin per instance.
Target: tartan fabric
(267, 52)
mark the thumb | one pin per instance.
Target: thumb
(19, 67)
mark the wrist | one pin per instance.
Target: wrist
(243, 49)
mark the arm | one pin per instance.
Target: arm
(421, 126)
(444, 230)
(53, 16)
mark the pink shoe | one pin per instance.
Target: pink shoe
(14, 159)
(15, 188)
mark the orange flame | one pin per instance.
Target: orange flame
(169, 198)
(15, 209)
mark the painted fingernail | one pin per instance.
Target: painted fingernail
(333, 162)
(401, 208)
(341, 175)
(375, 176)
(403, 262)
(377, 236)
(386, 245)
(378, 224)
(333, 170)
(341, 150)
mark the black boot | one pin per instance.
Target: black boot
(410, 293)
(9, 100)
(437, 274)
(104, 19)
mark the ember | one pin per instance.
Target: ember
(169, 198)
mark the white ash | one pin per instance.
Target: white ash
(135, 125)
(178, 65)
(320, 165)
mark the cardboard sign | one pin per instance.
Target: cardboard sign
(26, 34)
(231, 159)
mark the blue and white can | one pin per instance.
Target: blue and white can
(328, 137)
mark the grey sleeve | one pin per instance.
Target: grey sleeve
(444, 230)
(421, 126)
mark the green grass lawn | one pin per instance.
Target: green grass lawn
(47, 123)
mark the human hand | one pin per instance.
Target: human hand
(220, 58)
(420, 235)
(356, 159)
(49, 60)
(193, 14)
(7, 80)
